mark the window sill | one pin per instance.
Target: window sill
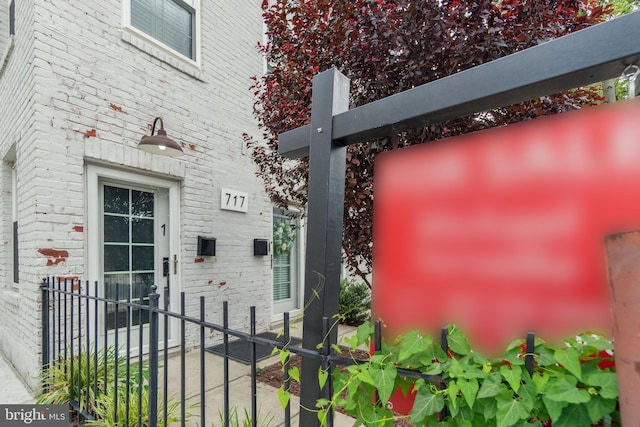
(4, 56)
(161, 52)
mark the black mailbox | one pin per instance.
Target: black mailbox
(260, 247)
(206, 246)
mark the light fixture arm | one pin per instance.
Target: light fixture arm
(160, 143)
(153, 127)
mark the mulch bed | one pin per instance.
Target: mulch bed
(272, 375)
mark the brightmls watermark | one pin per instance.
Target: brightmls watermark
(34, 415)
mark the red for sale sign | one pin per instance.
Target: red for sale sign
(501, 232)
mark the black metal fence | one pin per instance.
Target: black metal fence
(80, 333)
(82, 340)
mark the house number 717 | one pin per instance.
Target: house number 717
(233, 200)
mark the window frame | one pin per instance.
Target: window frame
(15, 270)
(160, 50)
(8, 30)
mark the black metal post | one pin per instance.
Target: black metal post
(286, 366)
(225, 326)
(377, 346)
(202, 366)
(254, 385)
(127, 403)
(45, 327)
(154, 299)
(324, 228)
(327, 389)
(165, 356)
(183, 370)
(529, 350)
(444, 345)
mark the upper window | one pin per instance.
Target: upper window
(172, 23)
(7, 25)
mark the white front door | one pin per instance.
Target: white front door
(133, 234)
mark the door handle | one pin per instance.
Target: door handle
(175, 264)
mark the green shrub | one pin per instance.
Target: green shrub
(62, 378)
(355, 302)
(236, 421)
(61, 382)
(106, 404)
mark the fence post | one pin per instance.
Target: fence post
(530, 348)
(45, 328)
(154, 300)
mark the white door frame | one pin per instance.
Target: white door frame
(95, 174)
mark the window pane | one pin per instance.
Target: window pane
(175, 27)
(116, 200)
(281, 277)
(116, 258)
(142, 258)
(141, 288)
(116, 284)
(141, 203)
(116, 229)
(141, 15)
(167, 21)
(141, 230)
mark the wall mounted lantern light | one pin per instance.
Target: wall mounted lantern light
(160, 143)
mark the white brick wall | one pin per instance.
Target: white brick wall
(72, 73)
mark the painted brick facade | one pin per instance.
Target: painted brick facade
(79, 90)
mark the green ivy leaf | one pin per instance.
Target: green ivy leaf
(554, 408)
(294, 373)
(452, 397)
(469, 389)
(351, 341)
(527, 394)
(606, 381)
(322, 417)
(458, 343)
(488, 408)
(414, 343)
(433, 369)
(491, 386)
(365, 376)
(540, 380)
(598, 408)
(384, 377)
(570, 359)
(322, 377)
(574, 416)
(426, 404)
(510, 410)
(364, 333)
(544, 356)
(283, 397)
(564, 389)
(284, 354)
(455, 368)
(513, 375)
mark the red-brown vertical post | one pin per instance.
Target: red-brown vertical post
(623, 265)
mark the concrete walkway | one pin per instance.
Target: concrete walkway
(269, 408)
(12, 389)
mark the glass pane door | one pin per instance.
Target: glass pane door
(128, 251)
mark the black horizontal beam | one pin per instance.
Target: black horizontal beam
(587, 56)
